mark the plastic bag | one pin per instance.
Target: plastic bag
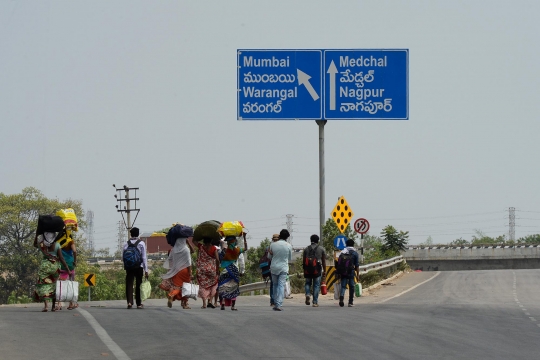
(337, 290)
(67, 290)
(287, 289)
(69, 217)
(358, 289)
(190, 290)
(146, 289)
(231, 228)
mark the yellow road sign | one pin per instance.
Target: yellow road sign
(342, 214)
(89, 279)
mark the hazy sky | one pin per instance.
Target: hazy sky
(143, 93)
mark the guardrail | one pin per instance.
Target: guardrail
(364, 269)
(380, 264)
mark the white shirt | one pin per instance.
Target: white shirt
(142, 249)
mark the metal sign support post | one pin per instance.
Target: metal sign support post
(321, 124)
(89, 294)
(362, 247)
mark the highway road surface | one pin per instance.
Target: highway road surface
(431, 315)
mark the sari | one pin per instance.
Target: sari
(179, 262)
(229, 278)
(48, 273)
(206, 271)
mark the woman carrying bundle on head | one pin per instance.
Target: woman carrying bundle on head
(69, 253)
(207, 271)
(179, 262)
(229, 279)
(49, 268)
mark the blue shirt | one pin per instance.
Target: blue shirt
(280, 253)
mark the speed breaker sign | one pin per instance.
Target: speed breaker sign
(361, 226)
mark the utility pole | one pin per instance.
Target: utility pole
(290, 226)
(90, 231)
(121, 234)
(512, 223)
(127, 208)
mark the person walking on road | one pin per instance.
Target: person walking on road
(229, 278)
(207, 271)
(49, 268)
(179, 265)
(347, 268)
(314, 264)
(275, 238)
(135, 263)
(69, 252)
(280, 253)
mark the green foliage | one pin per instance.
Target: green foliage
(14, 299)
(330, 231)
(459, 242)
(19, 260)
(481, 239)
(394, 241)
(252, 257)
(530, 239)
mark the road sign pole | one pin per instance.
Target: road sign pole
(321, 124)
(362, 247)
(89, 294)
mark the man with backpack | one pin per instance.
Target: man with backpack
(314, 264)
(135, 262)
(347, 268)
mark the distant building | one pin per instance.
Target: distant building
(156, 243)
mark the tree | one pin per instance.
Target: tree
(429, 241)
(530, 239)
(252, 257)
(482, 239)
(330, 231)
(394, 241)
(19, 260)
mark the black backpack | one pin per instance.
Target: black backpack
(132, 257)
(264, 265)
(312, 268)
(345, 264)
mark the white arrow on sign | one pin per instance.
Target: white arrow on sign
(303, 79)
(332, 70)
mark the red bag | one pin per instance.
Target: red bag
(324, 291)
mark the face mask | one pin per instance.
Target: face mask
(48, 238)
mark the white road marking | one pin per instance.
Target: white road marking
(414, 287)
(532, 319)
(102, 333)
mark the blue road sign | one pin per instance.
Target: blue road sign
(366, 84)
(324, 84)
(279, 84)
(340, 242)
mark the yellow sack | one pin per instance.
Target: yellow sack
(66, 240)
(231, 228)
(69, 217)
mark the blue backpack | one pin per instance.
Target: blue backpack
(132, 256)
